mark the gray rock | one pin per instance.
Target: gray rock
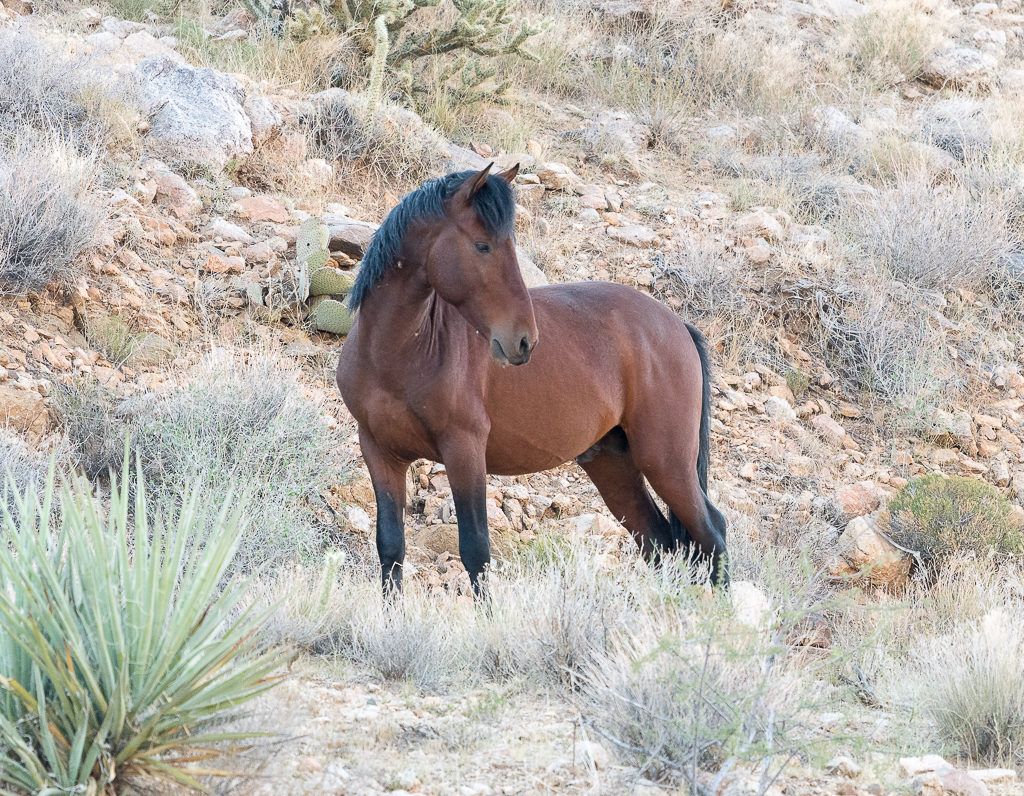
(196, 115)
(348, 236)
(959, 67)
(532, 275)
(263, 117)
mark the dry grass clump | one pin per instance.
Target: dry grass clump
(934, 239)
(21, 468)
(688, 693)
(892, 41)
(673, 66)
(64, 98)
(235, 419)
(940, 516)
(306, 66)
(552, 612)
(882, 337)
(390, 147)
(47, 216)
(969, 682)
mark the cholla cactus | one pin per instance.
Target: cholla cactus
(480, 29)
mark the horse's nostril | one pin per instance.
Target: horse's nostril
(524, 346)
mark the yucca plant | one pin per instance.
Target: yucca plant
(124, 648)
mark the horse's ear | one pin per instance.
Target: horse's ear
(510, 175)
(478, 181)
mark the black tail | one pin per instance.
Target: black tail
(704, 452)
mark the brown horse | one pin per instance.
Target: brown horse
(604, 375)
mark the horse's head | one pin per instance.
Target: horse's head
(472, 265)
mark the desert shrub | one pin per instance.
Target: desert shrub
(892, 42)
(940, 516)
(706, 286)
(68, 99)
(970, 685)
(21, 468)
(684, 693)
(389, 145)
(47, 218)
(122, 646)
(934, 240)
(552, 611)
(425, 639)
(881, 337)
(234, 419)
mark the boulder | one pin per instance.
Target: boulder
(958, 66)
(557, 176)
(348, 236)
(863, 551)
(22, 409)
(532, 275)
(196, 114)
(263, 117)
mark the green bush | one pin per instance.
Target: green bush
(938, 516)
(122, 646)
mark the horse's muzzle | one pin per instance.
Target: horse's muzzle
(520, 350)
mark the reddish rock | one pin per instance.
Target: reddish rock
(262, 208)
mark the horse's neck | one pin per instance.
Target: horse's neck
(402, 315)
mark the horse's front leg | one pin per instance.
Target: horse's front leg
(388, 476)
(465, 461)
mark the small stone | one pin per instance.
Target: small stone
(557, 176)
(760, 223)
(262, 208)
(779, 408)
(843, 766)
(634, 235)
(224, 229)
(749, 604)
(748, 471)
(829, 429)
(912, 766)
(592, 754)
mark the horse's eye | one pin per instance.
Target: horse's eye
(483, 248)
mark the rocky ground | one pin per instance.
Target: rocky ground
(199, 256)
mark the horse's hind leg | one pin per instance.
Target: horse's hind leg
(692, 515)
(614, 473)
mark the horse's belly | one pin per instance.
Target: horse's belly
(537, 429)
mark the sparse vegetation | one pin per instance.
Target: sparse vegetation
(970, 682)
(935, 240)
(21, 469)
(942, 516)
(47, 217)
(122, 648)
(234, 420)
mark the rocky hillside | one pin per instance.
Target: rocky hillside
(832, 190)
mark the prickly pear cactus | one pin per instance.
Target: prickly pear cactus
(330, 315)
(331, 281)
(311, 255)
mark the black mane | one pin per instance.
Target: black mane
(494, 203)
